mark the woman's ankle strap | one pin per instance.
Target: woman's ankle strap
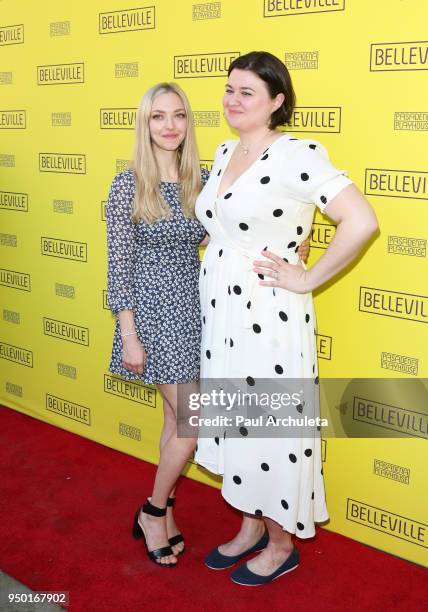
(149, 508)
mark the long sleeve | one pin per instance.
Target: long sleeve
(120, 244)
(310, 175)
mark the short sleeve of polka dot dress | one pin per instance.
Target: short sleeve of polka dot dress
(250, 331)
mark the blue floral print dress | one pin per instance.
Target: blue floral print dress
(153, 270)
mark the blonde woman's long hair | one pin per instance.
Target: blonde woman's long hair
(149, 205)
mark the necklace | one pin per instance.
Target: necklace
(246, 150)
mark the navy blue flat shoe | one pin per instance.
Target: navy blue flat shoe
(215, 560)
(244, 576)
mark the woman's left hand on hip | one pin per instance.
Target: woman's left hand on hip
(279, 273)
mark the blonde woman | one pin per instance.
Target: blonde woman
(153, 238)
(153, 269)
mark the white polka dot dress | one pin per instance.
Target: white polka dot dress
(250, 331)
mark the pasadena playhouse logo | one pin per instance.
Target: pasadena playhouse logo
(60, 28)
(302, 60)
(203, 64)
(410, 121)
(7, 160)
(61, 74)
(12, 35)
(391, 471)
(61, 119)
(386, 57)
(387, 522)
(69, 371)
(399, 363)
(13, 120)
(404, 245)
(15, 280)
(126, 70)
(63, 206)
(65, 163)
(206, 118)
(130, 431)
(130, 390)
(14, 389)
(284, 8)
(395, 418)
(11, 316)
(13, 200)
(17, 354)
(66, 331)
(207, 10)
(65, 249)
(394, 304)
(118, 118)
(9, 240)
(122, 164)
(396, 183)
(66, 291)
(318, 119)
(68, 409)
(6, 78)
(128, 20)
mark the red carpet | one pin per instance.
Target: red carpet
(66, 511)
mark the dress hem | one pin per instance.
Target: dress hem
(211, 469)
(154, 381)
(274, 518)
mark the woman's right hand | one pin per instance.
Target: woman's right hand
(134, 355)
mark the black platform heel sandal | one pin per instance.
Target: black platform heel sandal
(138, 532)
(177, 538)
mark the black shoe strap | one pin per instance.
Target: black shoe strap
(149, 508)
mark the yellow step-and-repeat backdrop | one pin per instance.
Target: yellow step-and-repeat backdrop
(71, 76)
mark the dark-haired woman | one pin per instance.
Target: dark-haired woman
(257, 309)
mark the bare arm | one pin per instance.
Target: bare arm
(356, 222)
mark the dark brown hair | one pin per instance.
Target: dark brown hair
(277, 78)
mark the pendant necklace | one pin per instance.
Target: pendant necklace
(246, 150)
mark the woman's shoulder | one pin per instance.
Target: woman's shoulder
(307, 152)
(294, 144)
(228, 142)
(124, 178)
(225, 145)
(122, 191)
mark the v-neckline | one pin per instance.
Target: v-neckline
(221, 197)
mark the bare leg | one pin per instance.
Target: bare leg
(173, 456)
(169, 427)
(252, 529)
(276, 552)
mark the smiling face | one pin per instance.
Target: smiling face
(167, 122)
(247, 103)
